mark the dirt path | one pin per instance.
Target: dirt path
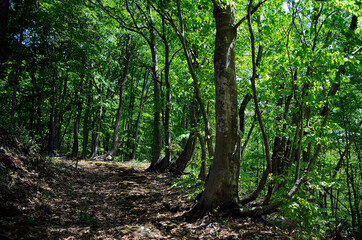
(104, 200)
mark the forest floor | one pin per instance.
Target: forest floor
(51, 199)
(104, 200)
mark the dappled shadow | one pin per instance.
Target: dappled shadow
(103, 200)
(98, 200)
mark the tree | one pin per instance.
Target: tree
(115, 144)
(4, 21)
(221, 188)
(285, 81)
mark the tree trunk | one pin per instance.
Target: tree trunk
(181, 36)
(267, 170)
(75, 148)
(178, 166)
(157, 144)
(121, 100)
(63, 88)
(202, 174)
(242, 108)
(144, 94)
(4, 21)
(96, 132)
(96, 135)
(15, 82)
(166, 161)
(85, 128)
(221, 188)
(32, 110)
(51, 134)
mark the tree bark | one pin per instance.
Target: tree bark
(221, 188)
(59, 113)
(75, 147)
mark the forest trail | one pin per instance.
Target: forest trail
(104, 200)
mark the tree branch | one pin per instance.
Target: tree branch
(251, 13)
(267, 170)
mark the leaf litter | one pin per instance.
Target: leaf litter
(50, 199)
(103, 200)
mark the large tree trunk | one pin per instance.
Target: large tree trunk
(221, 188)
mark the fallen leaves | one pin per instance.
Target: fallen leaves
(120, 201)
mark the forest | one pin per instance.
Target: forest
(249, 110)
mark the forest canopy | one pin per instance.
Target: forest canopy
(259, 102)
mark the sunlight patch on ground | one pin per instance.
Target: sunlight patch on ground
(136, 165)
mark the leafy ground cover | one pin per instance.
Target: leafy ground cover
(49, 198)
(103, 200)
